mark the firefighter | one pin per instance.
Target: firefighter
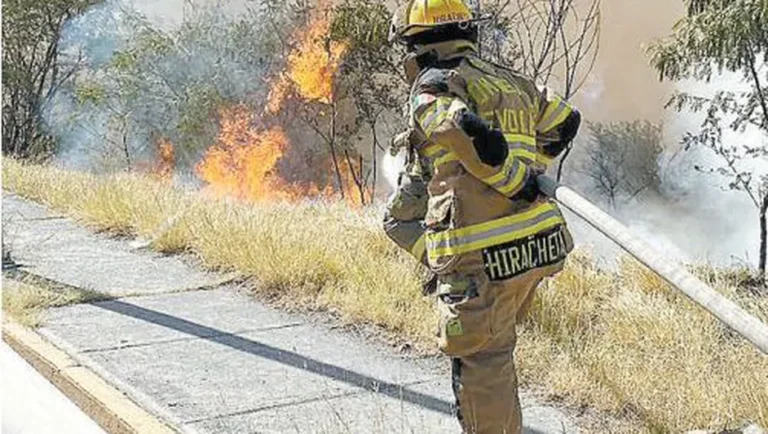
(467, 204)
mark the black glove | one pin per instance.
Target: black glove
(490, 144)
(530, 191)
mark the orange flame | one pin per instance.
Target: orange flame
(244, 161)
(164, 160)
(311, 65)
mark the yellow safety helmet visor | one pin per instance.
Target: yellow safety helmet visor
(418, 16)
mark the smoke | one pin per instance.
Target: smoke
(391, 167)
(696, 217)
(710, 220)
(180, 59)
(622, 86)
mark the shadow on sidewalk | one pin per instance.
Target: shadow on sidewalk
(239, 343)
(290, 358)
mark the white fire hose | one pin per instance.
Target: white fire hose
(723, 309)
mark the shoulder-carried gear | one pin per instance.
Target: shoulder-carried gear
(484, 130)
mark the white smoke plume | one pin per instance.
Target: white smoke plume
(202, 63)
(697, 218)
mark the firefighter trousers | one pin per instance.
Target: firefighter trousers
(477, 329)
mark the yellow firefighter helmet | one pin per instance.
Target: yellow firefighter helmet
(419, 16)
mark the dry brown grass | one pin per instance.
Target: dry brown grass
(619, 341)
(627, 343)
(26, 301)
(317, 256)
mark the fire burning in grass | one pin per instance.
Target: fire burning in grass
(242, 163)
(165, 160)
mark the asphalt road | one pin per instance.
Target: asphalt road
(32, 405)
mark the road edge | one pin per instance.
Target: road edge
(110, 408)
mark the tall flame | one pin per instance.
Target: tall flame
(311, 65)
(244, 162)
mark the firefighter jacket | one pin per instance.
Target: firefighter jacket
(479, 213)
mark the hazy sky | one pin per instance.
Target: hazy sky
(623, 84)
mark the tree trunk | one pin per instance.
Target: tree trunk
(763, 237)
(357, 176)
(332, 146)
(374, 165)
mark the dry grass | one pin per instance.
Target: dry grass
(627, 343)
(317, 256)
(622, 342)
(26, 301)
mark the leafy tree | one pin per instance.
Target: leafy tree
(372, 75)
(171, 84)
(553, 41)
(716, 37)
(34, 69)
(368, 87)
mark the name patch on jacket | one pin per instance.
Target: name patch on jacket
(508, 260)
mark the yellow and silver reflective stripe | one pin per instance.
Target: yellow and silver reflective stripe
(554, 115)
(445, 156)
(443, 159)
(510, 178)
(437, 155)
(495, 232)
(434, 114)
(521, 145)
(419, 247)
(544, 159)
(440, 110)
(431, 150)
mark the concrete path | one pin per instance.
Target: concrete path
(216, 360)
(57, 248)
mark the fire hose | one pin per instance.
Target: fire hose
(747, 325)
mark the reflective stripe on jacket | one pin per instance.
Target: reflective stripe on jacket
(473, 214)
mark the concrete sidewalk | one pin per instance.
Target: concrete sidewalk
(207, 358)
